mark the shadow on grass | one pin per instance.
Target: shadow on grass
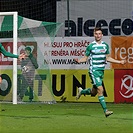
(32, 117)
(118, 118)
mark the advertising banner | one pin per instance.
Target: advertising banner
(123, 86)
(42, 86)
(64, 50)
(64, 85)
(57, 55)
(114, 17)
(64, 75)
(122, 49)
(66, 82)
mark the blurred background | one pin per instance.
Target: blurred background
(60, 30)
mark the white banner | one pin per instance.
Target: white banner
(115, 17)
(64, 50)
(56, 55)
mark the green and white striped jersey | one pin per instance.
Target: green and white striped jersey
(97, 53)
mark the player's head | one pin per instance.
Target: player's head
(98, 34)
(28, 50)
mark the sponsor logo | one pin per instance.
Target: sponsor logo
(82, 27)
(127, 86)
(102, 50)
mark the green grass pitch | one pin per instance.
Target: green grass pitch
(65, 118)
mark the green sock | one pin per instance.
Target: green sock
(102, 102)
(86, 91)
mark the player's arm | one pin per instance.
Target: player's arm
(112, 60)
(83, 59)
(8, 54)
(87, 54)
(34, 62)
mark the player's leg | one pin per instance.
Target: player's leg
(31, 95)
(99, 80)
(87, 91)
(94, 91)
(101, 98)
(31, 83)
(83, 92)
(24, 87)
(102, 101)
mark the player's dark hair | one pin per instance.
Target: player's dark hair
(97, 28)
(28, 48)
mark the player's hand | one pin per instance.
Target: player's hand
(22, 56)
(76, 60)
(122, 62)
